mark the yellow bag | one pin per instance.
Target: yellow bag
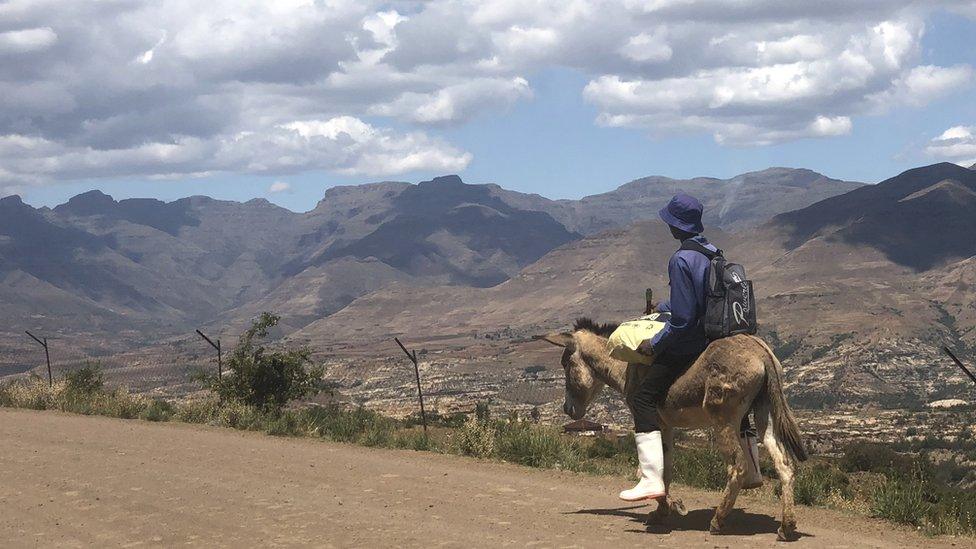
(624, 341)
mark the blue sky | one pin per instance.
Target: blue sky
(548, 141)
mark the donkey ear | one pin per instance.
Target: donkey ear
(557, 339)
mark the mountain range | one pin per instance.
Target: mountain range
(735, 204)
(147, 265)
(858, 284)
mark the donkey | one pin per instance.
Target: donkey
(733, 375)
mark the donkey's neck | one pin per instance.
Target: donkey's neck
(593, 350)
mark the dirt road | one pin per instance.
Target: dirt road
(89, 481)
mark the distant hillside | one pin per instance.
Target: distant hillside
(894, 216)
(865, 288)
(150, 268)
(445, 228)
(735, 204)
(602, 275)
(105, 274)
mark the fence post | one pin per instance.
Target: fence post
(420, 394)
(47, 357)
(220, 358)
(959, 363)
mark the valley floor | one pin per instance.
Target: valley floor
(93, 481)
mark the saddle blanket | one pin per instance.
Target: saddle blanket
(624, 341)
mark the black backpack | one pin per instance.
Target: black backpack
(730, 305)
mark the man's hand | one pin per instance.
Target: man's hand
(645, 348)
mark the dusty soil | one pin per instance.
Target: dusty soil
(89, 481)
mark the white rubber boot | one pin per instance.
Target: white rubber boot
(650, 454)
(750, 447)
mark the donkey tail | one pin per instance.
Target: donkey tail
(784, 424)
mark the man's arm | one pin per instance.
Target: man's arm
(682, 306)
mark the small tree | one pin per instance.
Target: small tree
(266, 378)
(87, 379)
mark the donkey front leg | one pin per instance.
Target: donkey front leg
(674, 504)
(728, 442)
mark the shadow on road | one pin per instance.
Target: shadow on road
(738, 523)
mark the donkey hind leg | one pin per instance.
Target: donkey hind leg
(784, 469)
(727, 438)
(668, 505)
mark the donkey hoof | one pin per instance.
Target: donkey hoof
(677, 506)
(786, 532)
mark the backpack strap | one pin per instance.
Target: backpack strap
(716, 261)
(694, 245)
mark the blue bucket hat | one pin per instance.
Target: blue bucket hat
(684, 212)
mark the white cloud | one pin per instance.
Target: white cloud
(764, 82)
(647, 48)
(455, 103)
(923, 84)
(279, 187)
(27, 40)
(530, 42)
(956, 144)
(826, 126)
(343, 144)
(176, 87)
(791, 49)
(147, 56)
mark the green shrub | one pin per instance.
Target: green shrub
(284, 424)
(197, 411)
(482, 411)
(475, 438)
(239, 416)
(702, 467)
(538, 447)
(876, 458)
(414, 440)
(340, 425)
(452, 421)
(266, 378)
(32, 393)
(119, 403)
(954, 513)
(606, 448)
(158, 410)
(816, 482)
(80, 392)
(378, 434)
(87, 379)
(919, 502)
(900, 500)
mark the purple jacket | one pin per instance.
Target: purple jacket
(684, 334)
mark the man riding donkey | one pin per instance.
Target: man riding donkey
(699, 365)
(677, 346)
